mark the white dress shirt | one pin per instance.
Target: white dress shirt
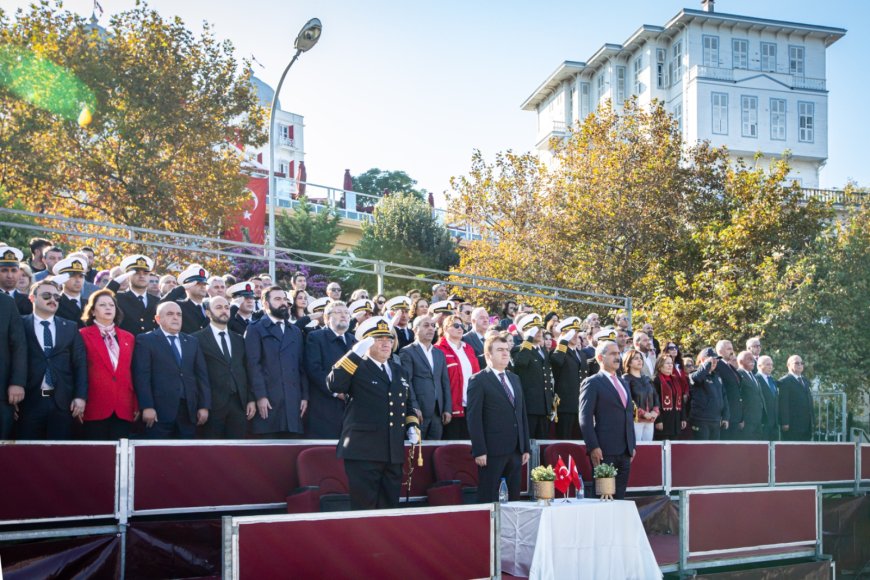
(427, 352)
(39, 330)
(217, 337)
(465, 364)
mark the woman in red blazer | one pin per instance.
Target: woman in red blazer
(111, 406)
(461, 364)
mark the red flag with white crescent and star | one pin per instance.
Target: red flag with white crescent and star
(251, 222)
(563, 478)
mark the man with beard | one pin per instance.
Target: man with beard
(138, 306)
(325, 346)
(275, 350)
(231, 404)
(242, 309)
(373, 432)
(190, 293)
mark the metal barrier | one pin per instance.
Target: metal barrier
(795, 462)
(830, 410)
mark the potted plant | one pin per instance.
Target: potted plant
(543, 484)
(605, 481)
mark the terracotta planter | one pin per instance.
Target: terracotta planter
(544, 491)
(605, 488)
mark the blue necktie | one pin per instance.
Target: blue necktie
(48, 346)
(771, 385)
(174, 349)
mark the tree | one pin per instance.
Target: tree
(162, 105)
(307, 229)
(16, 237)
(405, 231)
(376, 181)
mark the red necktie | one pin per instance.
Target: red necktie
(619, 389)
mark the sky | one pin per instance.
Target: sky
(418, 86)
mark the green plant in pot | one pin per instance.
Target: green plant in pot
(605, 480)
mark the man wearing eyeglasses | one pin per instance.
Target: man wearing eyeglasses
(57, 378)
(333, 291)
(795, 403)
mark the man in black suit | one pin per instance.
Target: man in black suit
(139, 307)
(10, 272)
(70, 273)
(399, 308)
(170, 378)
(189, 294)
(425, 369)
(242, 309)
(731, 383)
(795, 403)
(770, 391)
(13, 364)
(497, 422)
(569, 369)
(325, 346)
(57, 377)
(378, 414)
(276, 355)
(477, 334)
(751, 394)
(607, 416)
(532, 365)
(232, 405)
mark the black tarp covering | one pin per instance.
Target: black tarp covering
(83, 557)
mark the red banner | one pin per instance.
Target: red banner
(250, 226)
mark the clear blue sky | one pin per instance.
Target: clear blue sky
(417, 86)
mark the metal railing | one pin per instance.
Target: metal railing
(196, 246)
(830, 414)
(837, 197)
(728, 74)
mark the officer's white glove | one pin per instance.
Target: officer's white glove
(531, 333)
(413, 435)
(123, 277)
(568, 336)
(363, 346)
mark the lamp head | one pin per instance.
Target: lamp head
(309, 35)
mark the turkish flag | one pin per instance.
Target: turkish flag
(575, 475)
(250, 224)
(563, 478)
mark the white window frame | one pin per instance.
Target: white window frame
(661, 68)
(569, 106)
(585, 100)
(768, 56)
(601, 84)
(749, 116)
(678, 116)
(710, 45)
(778, 120)
(676, 68)
(719, 113)
(637, 67)
(620, 85)
(797, 64)
(806, 122)
(739, 58)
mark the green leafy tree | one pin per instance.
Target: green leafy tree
(17, 237)
(308, 227)
(376, 181)
(405, 231)
(152, 148)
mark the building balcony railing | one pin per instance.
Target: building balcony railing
(837, 197)
(711, 72)
(729, 75)
(355, 206)
(801, 82)
(286, 142)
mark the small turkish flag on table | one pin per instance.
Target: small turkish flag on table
(563, 478)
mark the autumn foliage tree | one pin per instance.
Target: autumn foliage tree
(162, 105)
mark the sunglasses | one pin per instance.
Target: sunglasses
(456, 325)
(49, 296)
(671, 347)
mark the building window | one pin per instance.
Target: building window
(749, 116)
(740, 53)
(796, 60)
(676, 69)
(585, 103)
(636, 68)
(768, 57)
(806, 122)
(678, 116)
(620, 84)
(661, 69)
(711, 51)
(777, 119)
(601, 86)
(569, 107)
(720, 113)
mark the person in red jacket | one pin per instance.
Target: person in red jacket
(461, 364)
(112, 406)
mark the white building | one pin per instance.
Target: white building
(289, 144)
(751, 84)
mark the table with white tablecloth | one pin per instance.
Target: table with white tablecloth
(584, 538)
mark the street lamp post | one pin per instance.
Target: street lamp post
(305, 40)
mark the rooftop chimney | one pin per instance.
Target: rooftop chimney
(707, 5)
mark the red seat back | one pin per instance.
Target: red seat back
(575, 450)
(455, 462)
(320, 467)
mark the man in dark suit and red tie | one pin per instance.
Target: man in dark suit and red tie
(497, 422)
(606, 416)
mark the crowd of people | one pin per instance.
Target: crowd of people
(193, 354)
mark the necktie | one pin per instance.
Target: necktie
(281, 326)
(386, 369)
(142, 302)
(507, 390)
(619, 390)
(771, 385)
(224, 346)
(541, 353)
(174, 349)
(48, 346)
